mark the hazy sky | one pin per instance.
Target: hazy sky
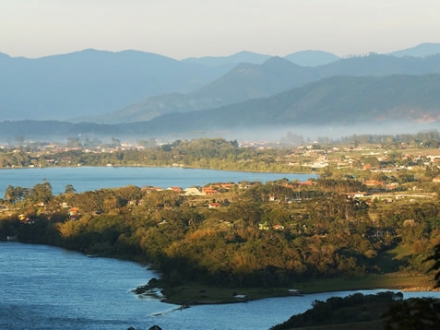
(185, 28)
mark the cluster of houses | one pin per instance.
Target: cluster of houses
(195, 191)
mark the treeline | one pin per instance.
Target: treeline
(384, 310)
(214, 153)
(338, 311)
(426, 139)
(253, 239)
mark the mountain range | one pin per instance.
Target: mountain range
(251, 81)
(167, 95)
(335, 101)
(90, 81)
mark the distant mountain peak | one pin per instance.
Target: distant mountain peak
(422, 50)
(277, 62)
(231, 60)
(312, 58)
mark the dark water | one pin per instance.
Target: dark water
(92, 178)
(44, 287)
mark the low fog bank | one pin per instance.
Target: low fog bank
(294, 134)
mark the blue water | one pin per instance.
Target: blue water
(93, 178)
(44, 287)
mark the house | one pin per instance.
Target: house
(150, 188)
(175, 189)
(392, 186)
(208, 191)
(193, 191)
(360, 194)
(305, 183)
(227, 186)
(373, 183)
(74, 213)
(214, 205)
(278, 227)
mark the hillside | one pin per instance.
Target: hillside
(229, 61)
(246, 81)
(252, 81)
(422, 50)
(339, 101)
(302, 58)
(312, 58)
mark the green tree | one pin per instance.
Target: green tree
(14, 194)
(41, 192)
(69, 189)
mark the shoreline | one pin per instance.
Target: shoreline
(193, 294)
(157, 166)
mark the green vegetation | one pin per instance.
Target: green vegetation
(352, 311)
(216, 153)
(385, 310)
(251, 238)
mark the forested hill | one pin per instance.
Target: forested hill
(249, 81)
(246, 81)
(337, 100)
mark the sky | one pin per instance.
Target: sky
(196, 28)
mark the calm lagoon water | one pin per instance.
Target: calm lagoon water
(49, 288)
(93, 178)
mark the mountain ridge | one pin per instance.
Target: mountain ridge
(90, 81)
(341, 101)
(248, 81)
(101, 83)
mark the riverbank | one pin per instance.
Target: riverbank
(194, 293)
